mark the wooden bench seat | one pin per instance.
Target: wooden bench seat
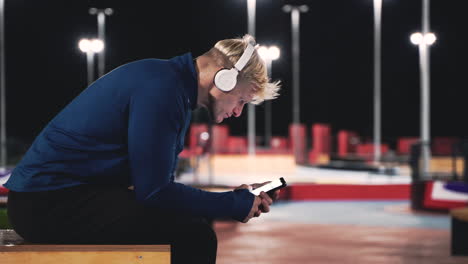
(13, 250)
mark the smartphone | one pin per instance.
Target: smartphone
(271, 187)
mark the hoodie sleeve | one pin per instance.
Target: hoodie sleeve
(156, 116)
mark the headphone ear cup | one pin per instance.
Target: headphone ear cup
(226, 79)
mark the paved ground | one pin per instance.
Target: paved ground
(338, 232)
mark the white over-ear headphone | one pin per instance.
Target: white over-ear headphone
(226, 79)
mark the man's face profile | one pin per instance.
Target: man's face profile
(222, 105)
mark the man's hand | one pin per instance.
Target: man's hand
(261, 203)
(254, 211)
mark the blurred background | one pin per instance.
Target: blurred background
(368, 129)
(46, 70)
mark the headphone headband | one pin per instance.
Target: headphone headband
(240, 64)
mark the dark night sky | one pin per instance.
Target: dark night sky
(46, 70)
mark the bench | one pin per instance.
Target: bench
(14, 250)
(459, 231)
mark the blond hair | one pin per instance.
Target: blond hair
(254, 72)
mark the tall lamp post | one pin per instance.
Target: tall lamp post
(295, 15)
(101, 18)
(91, 46)
(424, 40)
(377, 80)
(251, 5)
(3, 151)
(268, 54)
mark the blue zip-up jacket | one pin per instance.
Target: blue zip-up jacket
(127, 128)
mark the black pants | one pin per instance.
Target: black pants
(93, 214)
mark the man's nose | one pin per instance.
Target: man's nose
(238, 110)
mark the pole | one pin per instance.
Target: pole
(3, 151)
(425, 92)
(101, 21)
(251, 4)
(251, 8)
(90, 60)
(268, 110)
(377, 80)
(295, 16)
(101, 17)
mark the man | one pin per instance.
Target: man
(126, 129)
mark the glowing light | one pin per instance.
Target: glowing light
(269, 53)
(274, 52)
(430, 38)
(94, 45)
(85, 45)
(204, 135)
(97, 45)
(416, 38)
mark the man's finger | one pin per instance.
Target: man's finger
(258, 213)
(275, 195)
(265, 206)
(266, 197)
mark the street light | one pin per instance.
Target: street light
(251, 7)
(268, 54)
(3, 152)
(418, 38)
(91, 46)
(101, 18)
(377, 80)
(424, 40)
(295, 15)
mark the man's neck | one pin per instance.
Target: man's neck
(204, 81)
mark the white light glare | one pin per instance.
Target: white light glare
(271, 53)
(97, 45)
(84, 45)
(204, 135)
(274, 52)
(263, 52)
(418, 38)
(94, 45)
(430, 38)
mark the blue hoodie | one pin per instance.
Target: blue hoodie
(127, 128)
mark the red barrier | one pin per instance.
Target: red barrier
(297, 141)
(3, 191)
(443, 145)
(321, 142)
(321, 138)
(367, 149)
(186, 153)
(279, 143)
(219, 138)
(432, 203)
(347, 142)
(237, 145)
(195, 132)
(404, 144)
